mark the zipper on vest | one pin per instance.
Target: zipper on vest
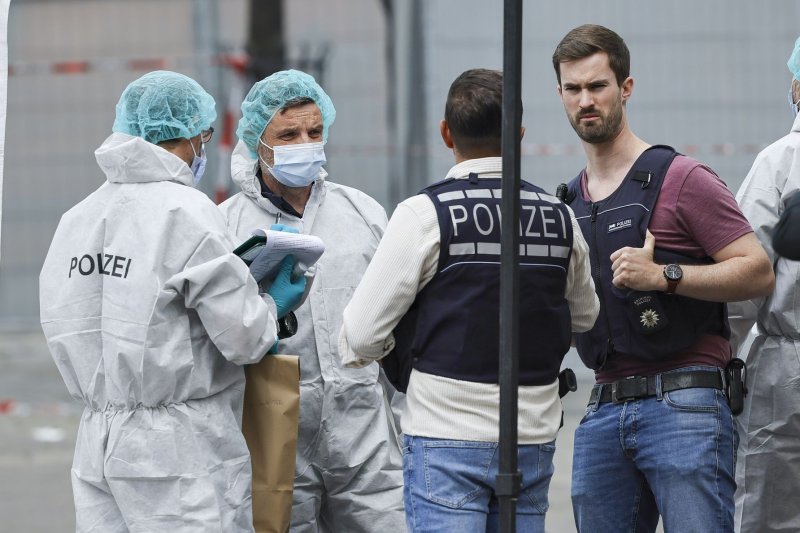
(597, 280)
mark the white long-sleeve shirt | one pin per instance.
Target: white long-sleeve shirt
(406, 260)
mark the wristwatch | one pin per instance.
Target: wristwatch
(287, 325)
(673, 274)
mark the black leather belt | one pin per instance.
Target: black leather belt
(636, 387)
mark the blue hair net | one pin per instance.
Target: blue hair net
(163, 105)
(271, 94)
(794, 60)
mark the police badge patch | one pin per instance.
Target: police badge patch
(647, 312)
(649, 318)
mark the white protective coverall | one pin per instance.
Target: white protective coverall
(148, 316)
(768, 464)
(349, 468)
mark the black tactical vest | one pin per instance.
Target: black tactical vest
(452, 329)
(650, 325)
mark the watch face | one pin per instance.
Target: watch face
(287, 326)
(291, 322)
(673, 272)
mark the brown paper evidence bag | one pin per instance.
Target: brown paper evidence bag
(269, 424)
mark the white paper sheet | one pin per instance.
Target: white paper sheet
(304, 249)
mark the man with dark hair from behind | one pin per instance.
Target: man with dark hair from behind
(441, 255)
(668, 246)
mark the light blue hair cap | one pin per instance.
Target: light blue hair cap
(271, 94)
(163, 105)
(794, 60)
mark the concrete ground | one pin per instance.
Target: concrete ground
(39, 421)
(38, 425)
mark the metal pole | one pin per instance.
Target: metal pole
(4, 5)
(265, 39)
(205, 21)
(509, 478)
(394, 190)
(408, 160)
(415, 143)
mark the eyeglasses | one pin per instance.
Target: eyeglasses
(206, 135)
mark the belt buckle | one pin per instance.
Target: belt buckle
(629, 388)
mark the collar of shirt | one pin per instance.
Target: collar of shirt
(277, 200)
(486, 167)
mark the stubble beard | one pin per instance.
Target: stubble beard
(600, 131)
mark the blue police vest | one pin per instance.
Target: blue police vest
(456, 316)
(649, 325)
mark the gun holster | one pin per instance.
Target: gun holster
(735, 389)
(567, 382)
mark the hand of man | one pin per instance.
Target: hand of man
(635, 269)
(285, 291)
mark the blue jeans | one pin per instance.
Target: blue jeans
(449, 485)
(673, 454)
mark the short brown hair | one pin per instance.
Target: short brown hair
(589, 39)
(474, 110)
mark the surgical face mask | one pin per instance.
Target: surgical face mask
(198, 165)
(792, 104)
(296, 165)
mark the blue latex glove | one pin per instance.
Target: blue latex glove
(284, 291)
(283, 227)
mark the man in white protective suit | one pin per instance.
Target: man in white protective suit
(348, 473)
(768, 463)
(148, 316)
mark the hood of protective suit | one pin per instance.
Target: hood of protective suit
(128, 159)
(243, 172)
(796, 123)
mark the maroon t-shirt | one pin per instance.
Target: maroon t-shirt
(696, 215)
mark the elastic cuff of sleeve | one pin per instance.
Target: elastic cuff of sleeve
(270, 303)
(359, 363)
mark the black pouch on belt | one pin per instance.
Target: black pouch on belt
(736, 376)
